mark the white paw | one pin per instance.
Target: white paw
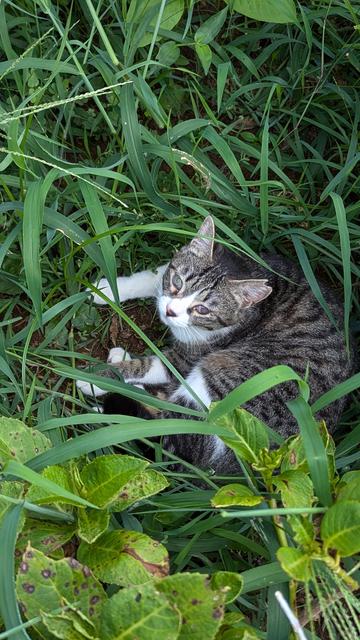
(104, 287)
(89, 389)
(117, 354)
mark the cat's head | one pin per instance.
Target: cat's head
(198, 298)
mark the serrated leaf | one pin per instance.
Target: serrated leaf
(349, 487)
(209, 29)
(46, 585)
(17, 441)
(125, 557)
(228, 583)
(295, 562)
(201, 608)
(269, 11)
(235, 494)
(92, 524)
(105, 477)
(296, 488)
(340, 528)
(59, 475)
(142, 486)
(304, 532)
(69, 625)
(139, 612)
(204, 54)
(247, 434)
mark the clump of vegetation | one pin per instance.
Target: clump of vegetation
(121, 127)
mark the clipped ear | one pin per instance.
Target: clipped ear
(249, 292)
(200, 245)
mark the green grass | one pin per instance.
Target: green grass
(110, 156)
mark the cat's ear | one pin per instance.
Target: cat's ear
(204, 246)
(249, 292)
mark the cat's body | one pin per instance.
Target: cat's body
(227, 328)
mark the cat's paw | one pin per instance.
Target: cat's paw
(89, 389)
(117, 355)
(104, 287)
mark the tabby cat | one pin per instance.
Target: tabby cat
(231, 318)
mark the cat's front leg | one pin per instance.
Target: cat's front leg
(144, 284)
(149, 371)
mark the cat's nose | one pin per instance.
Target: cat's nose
(170, 312)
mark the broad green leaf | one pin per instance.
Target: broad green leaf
(340, 528)
(280, 11)
(209, 29)
(235, 494)
(58, 475)
(168, 53)
(70, 624)
(296, 488)
(125, 558)
(295, 562)
(349, 487)
(304, 532)
(92, 524)
(228, 583)
(139, 612)
(247, 434)
(47, 537)
(201, 607)
(13, 468)
(105, 477)
(17, 441)
(45, 585)
(145, 484)
(171, 15)
(204, 54)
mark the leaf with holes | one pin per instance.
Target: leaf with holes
(139, 612)
(103, 479)
(201, 607)
(145, 484)
(47, 537)
(45, 585)
(125, 557)
(228, 583)
(19, 442)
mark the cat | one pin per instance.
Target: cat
(231, 318)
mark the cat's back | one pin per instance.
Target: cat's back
(291, 327)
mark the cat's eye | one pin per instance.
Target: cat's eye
(201, 309)
(177, 281)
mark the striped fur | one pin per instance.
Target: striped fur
(258, 317)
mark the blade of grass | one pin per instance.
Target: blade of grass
(314, 449)
(9, 608)
(346, 260)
